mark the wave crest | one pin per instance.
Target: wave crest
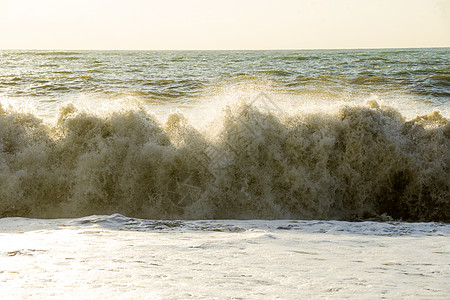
(363, 162)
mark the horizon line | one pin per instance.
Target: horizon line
(237, 49)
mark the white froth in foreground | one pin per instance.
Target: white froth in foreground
(115, 256)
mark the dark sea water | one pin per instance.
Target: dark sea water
(313, 134)
(182, 76)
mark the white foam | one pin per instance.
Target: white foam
(98, 257)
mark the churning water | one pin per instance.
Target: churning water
(140, 150)
(343, 134)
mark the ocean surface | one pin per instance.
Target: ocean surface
(225, 174)
(323, 134)
(128, 258)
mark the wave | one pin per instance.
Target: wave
(371, 80)
(297, 57)
(362, 162)
(372, 59)
(280, 73)
(123, 223)
(442, 80)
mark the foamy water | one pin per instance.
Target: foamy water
(115, 256)
(129, 146)
(361, 162)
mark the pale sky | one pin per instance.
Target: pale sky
(218, 24)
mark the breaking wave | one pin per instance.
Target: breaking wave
(362, 162)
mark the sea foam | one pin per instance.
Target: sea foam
(361, 162)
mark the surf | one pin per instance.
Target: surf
(360, 162)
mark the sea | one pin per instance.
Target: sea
(281, 174)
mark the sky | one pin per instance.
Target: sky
(218, 24)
